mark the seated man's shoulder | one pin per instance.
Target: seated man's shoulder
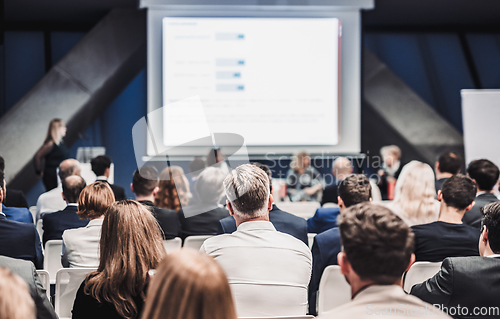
(327, 235)
(287, 216)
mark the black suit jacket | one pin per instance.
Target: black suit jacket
(27, 272)
(54, 224)
(118, 191)
(330, 194)
(466, 281)
(473, 216)
(282, 221)
(438, 240)
(167, 218)
(20, 240)
(202, 220)
(15, 198)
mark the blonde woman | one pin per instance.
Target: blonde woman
(415, 191)
(131, 245)
(173, 190)
(51, 154)
(189, 285)
(15, 299)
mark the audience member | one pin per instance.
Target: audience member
(470, 284)
(18, 214)
(449, 237)
(354, 189)
(189, 285)
(145, 187)
(268, 271)
(55, 224)
(485, 174)
(15, 300)
(196, 166)
(303, 182)
(282, 221)
(447, 165)
(18, 240)
(414, 199)
(81, 245)
(377, 248)
(342, 167)
(26, 270)
(215, 158)
(130, 246)
(52, 201)
(101, 166)
(51, 154)
(16, 198)
(391, 169)
(173, 190)
(202, 218)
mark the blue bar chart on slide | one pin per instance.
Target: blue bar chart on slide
(225, 75)
(229, 62)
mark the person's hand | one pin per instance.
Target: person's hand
(381, 172)
(312, 190)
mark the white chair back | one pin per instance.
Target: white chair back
(287, 317)
(333, 290)
(172, 245)
(420, 272)
(68, 280)
(52, 260)
(33, 213)
(39, 228)
(301, 209)
(195, 242)
(45, 279)
(310, 239)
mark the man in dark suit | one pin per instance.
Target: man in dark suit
(55, 224)
(101, 166)
(447, 165)
(282, 221)
(449, 237)
(342, 167)
(353, 189)
(145, 187)
(15, 198)
(18, 214)
(485, 174)
(469, 282)
(18, 240)
(27, 272)
(390, 170)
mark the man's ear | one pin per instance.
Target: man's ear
(64, 198)
(484, 234)
(132, 187)
(436, 167)
(470, 206)
(412, 261)
(270, 202)
(440, 195)
(155, 191)
(106, 171)
(230, 208)
(341, 202)
(345, 266)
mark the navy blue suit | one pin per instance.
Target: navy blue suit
(323, 219)
(21, 241)
(55, 224)
(324, 251)
(18, 214)
(282, 221)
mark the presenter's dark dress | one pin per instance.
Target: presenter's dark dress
(48, 159)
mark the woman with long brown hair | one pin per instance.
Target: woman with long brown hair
(51, 154)
(131, 245)
(189, 285)
(173, 189)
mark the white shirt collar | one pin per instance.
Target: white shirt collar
(256, 225)
(101, 178)
(73, 204)
(480, 193)
(1, 213)
(493, 256)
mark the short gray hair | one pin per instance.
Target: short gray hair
(247, 189)
(209, 185)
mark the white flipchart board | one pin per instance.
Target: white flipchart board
(481, 124)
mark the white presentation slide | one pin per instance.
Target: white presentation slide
(274, 81)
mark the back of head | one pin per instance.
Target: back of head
(72, 187)
(131, 244)
(342, 166)
(197, 165)
(100, 164)
(459, 191)
(2, 164)
(449, 162)
(94, 200)
(268, 173)
(247, 189)
(189, 285)
(491, 219)
(145, 180)
(355, 189)
(209, 185)
(174, 189)
(69, 167)
(484, 172)
(2, 183)
(16, 301)
(378, 244)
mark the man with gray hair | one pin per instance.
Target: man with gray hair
(268, 271)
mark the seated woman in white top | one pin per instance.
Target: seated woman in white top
(81, 245)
